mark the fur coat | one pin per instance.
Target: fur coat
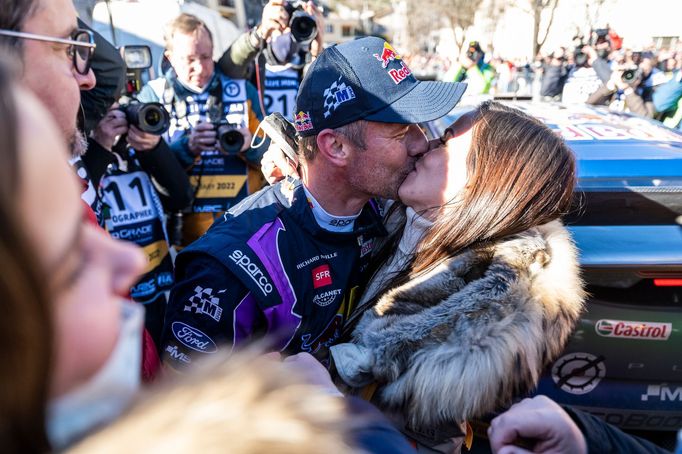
(471, 334)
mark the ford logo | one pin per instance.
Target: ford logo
(193, 338)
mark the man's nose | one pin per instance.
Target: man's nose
(86, 81)
(417, 145)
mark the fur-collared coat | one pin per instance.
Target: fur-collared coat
(468, 336)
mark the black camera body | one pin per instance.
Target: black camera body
(303, 26)
(149, 117)
(230, 139)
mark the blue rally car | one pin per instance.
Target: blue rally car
(624, 360)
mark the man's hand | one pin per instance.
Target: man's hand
(142, 141)
(466, 62)
(246, 132)
(274, 18)
(275, 165)
(110, 127)
(540, 422)
(202, 137)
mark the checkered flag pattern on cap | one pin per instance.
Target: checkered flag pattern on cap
(331, 101)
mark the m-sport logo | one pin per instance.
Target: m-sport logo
(633, 330)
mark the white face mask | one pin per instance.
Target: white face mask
(108, 393)
(281, 47)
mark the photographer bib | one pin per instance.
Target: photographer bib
(132, 211)
(281, 87)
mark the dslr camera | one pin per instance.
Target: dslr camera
(303, 26)
(631, 74)
(230, 139)
(149, 117)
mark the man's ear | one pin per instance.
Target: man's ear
(332, 148)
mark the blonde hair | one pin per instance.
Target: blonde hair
(186, 24)
(243, 405)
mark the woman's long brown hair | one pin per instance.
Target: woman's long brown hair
(520, 174)
(25, 322)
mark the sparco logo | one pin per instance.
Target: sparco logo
(193, 338)
(633, 330)
(252, 270)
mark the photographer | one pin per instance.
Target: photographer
(554, 74)
(590, 69)
(274, 54)
(629, 88)
(668, 101)
(137, 178)
(212, 120)
(473, 70)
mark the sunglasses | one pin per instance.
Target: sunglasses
(81, 46)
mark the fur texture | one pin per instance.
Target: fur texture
(474, 332)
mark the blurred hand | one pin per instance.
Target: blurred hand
(539, 421)
(312, 371)
(246, 132)
(202, 137)
(110, 127)
(142, 141)
(466, 62)
(274, 18)
(275, 165)
(317, 46)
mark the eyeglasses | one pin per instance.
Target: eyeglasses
(81, 46)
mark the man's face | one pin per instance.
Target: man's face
(48, 69)
(192, 58)
(389, 156)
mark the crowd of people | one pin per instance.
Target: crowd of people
(596, 69)
(383, 292)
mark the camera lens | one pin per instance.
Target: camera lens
(231, 141)
(148, 117)
(303, 27)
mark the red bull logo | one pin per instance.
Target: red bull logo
(388, 54)
(302, 122)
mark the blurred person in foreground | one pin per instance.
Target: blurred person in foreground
(74, 341)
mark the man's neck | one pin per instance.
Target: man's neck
(333, 193)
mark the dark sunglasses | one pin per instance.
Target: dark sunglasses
(81, 46)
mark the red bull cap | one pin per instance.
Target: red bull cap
(368, 79)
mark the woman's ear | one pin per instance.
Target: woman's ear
(332, 147)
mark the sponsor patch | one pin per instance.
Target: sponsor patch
(398, 75)
(231, 89)
(204, 302)
(341, 222)
(302, 122)
(335, 95)
(365, 246)
(326, 298)
(193, 338)
(177, 355)
(663, 393)
(253, 271)
(321, 276)
(578, 373)
(624, 329)
(388, 54)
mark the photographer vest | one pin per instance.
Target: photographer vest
(132, 211)
(219, 179)
(281, 88)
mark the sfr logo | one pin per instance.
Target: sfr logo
(321, 276)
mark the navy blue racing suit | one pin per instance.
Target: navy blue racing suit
(267, 268)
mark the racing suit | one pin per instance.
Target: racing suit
(267, 268)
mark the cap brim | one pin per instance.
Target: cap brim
(425, 102)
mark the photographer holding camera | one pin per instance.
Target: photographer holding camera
(629, 87)
(212, 120)
(275, 53)
(590, 69)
